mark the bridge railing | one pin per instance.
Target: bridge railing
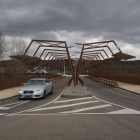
(10, 83)
(121, 78)
(105, 80)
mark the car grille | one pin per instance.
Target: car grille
(28, 96)
(28, 91)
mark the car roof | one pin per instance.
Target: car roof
(38, 79)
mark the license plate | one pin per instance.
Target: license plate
(27, 94)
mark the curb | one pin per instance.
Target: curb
(17, 95)
(118, 87)
(128, 90)
(8, 98)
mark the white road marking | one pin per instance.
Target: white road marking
(13, 103)
(103, 114)
(73, 100)
(38, 106)
(125, 111)
(36, 114)
(17, 104)
(47, 108)
(4, 108)
(2, 114)
(88, 108)
(107, 101)
(47, 114)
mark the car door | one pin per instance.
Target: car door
(47, 86)
(50, 85)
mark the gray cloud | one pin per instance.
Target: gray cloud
(55, 19)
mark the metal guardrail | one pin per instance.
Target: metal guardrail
(121, 78)
(105, 80)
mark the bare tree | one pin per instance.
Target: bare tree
(17, 46)
(16, 68)
(2, 46)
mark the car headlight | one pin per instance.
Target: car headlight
(20, 91)
(38, 91)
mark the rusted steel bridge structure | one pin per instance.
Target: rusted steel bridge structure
(56, 54)
(51, 53)
(94, 55)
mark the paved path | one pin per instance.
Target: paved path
(131, 87)
(109, 113)
(9, 92)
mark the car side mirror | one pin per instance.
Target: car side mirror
(24, 84)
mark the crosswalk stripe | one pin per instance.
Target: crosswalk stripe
(63, 106)
(4, 108)
(19, 104)
(13, 103)
(73, 100)
(88, 108)
(2, 114)
(125, 111)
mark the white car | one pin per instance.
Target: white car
(36, 88)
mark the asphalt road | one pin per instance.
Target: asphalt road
(110, 114)
(112, 94)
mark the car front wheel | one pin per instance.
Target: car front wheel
(44, 94)
(51, 91)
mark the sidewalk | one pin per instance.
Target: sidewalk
(129, 87)
(7, 93)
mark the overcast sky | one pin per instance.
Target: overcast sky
(74, 21)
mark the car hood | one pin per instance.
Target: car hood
(32, 87)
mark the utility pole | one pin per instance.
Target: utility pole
(64, 67)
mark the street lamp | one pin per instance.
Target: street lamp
(77, 52)
(72, 55)
(71, 46)
(64, 60)
(78, 43)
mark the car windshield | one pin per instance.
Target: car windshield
(35, 82)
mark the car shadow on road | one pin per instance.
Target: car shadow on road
(34, 99)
